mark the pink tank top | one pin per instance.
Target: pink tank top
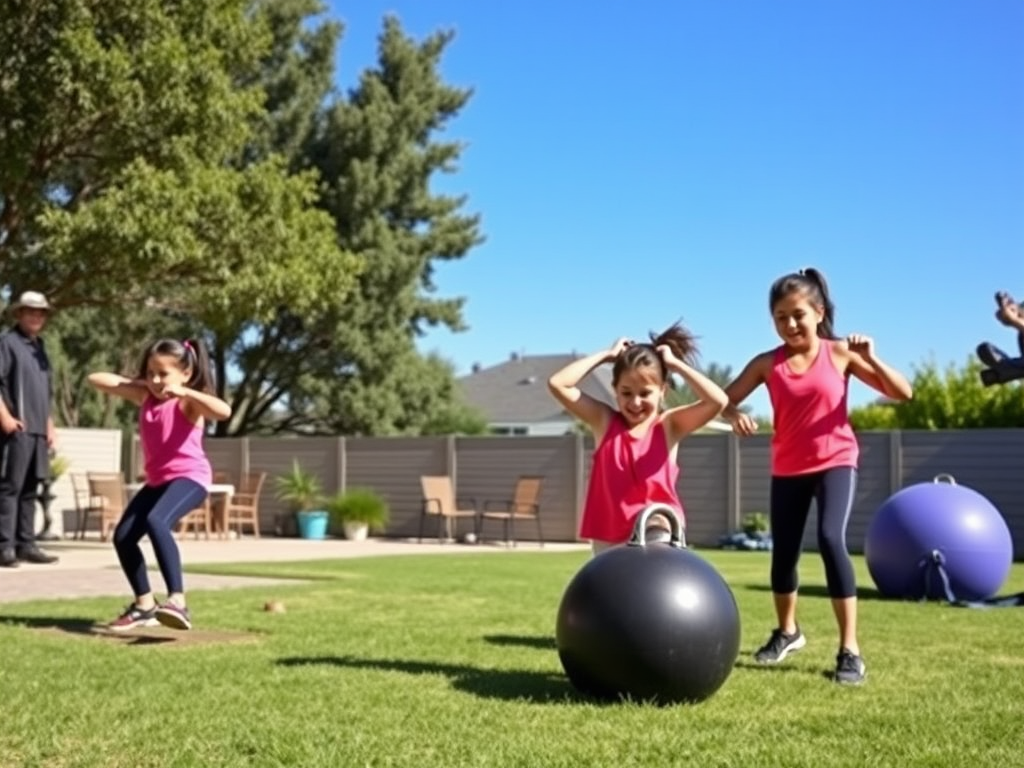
(171, 444)
(628, 473)
(812, 428)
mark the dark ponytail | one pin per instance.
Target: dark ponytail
(812, 283)
(677, 338)
(188, 353)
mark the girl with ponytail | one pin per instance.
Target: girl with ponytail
(635, 462)
(814, 452)
(175, 394)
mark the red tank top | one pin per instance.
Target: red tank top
(628, 473)
(812, 428)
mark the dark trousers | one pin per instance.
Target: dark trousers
(154, 511)
(24, 462)
(992, 355)
(791, 497)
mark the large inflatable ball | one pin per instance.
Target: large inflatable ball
(938, 540)
(648, 621)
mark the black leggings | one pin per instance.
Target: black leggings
(791, 498)
(153, 512)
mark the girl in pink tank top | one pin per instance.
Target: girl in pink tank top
(175, 394)
(814, 452)
(634, 463)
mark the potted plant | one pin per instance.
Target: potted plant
(302, 492)
(755, 524)
(58, 466)
(357, 511)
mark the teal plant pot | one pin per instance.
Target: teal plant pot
(312, 524)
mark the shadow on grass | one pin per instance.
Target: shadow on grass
(88, 628)
(819, 590)
(773, 668)
(502, 684)
(540, 642)
(157, 635)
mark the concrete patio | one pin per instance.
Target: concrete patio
(90, 568)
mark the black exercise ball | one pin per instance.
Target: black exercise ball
(651, 622)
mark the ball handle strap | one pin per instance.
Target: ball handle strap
(945, 477)
(639, 537)
(931, 565)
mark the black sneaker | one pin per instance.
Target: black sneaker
(33, 554)
(779, 646)
(133, 617)
(174, 616)
(850, 668)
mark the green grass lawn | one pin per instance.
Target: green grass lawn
(450, 661)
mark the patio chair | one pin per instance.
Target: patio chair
(200, 516)
(107, 498)
(243, 507)
(439, 500)
(524, 505)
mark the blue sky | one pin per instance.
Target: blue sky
(635, 163)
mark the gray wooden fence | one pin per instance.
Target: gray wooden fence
(722, 477)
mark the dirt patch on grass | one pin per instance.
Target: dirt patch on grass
(162, 636)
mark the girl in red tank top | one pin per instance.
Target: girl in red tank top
(634, 463)
(814, 452)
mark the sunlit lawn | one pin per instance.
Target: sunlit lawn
(450, 661)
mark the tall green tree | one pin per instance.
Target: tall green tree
(379, 159)
(195, 172)
(355, 369)
(135, 174)
(100, 96)
(296, 77)
(265, 354)
(947, 398)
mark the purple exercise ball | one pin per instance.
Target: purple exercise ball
(938, 522)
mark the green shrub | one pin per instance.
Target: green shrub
(359, 505)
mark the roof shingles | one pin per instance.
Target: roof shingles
(516, 391)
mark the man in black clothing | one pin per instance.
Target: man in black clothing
(26, 429)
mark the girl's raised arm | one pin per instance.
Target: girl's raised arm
(120, 386)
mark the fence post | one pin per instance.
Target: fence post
(895, 461)
(733, 478)
(451, 459)
(245, 459)
(342, 464)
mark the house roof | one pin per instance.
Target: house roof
(516, 390)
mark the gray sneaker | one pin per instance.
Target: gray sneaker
(850, 668)
(779, 646)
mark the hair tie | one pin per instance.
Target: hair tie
(187, 345)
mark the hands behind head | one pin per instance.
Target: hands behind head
(665, 353)
(621, 345)
(618, 348)
(861, 344)
(1008, 310)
